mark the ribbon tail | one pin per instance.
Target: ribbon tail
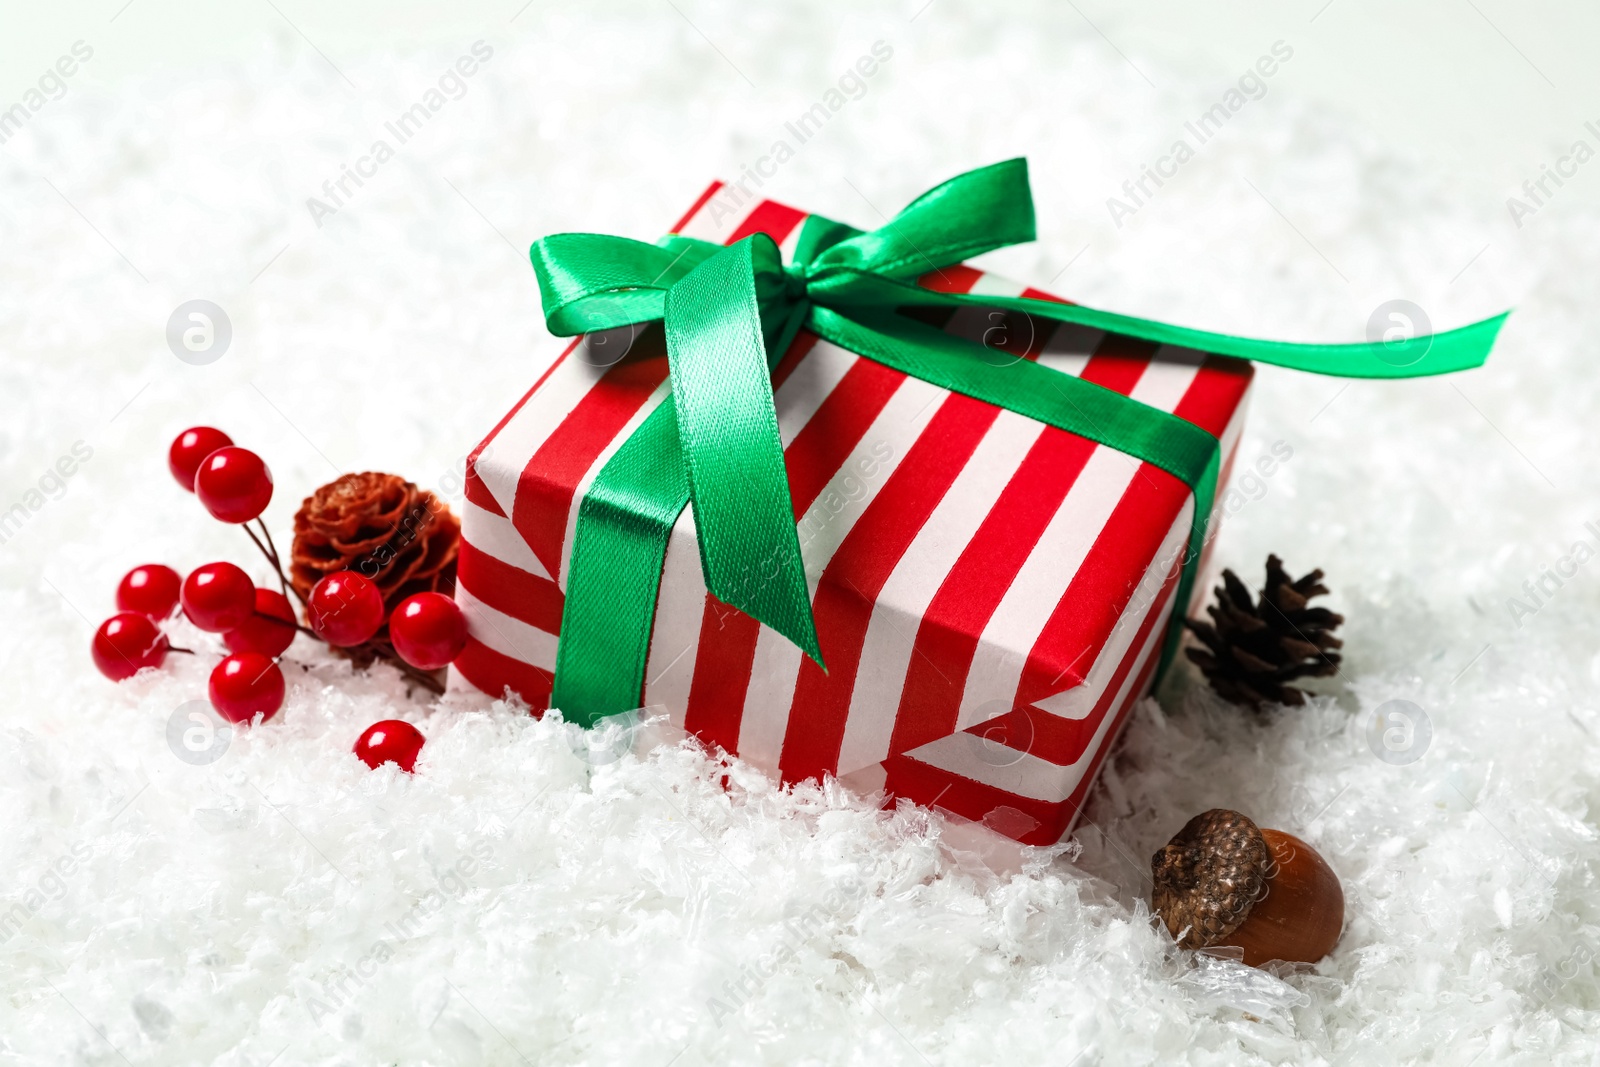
(1459, 349)
(624, 523)
(732, 450)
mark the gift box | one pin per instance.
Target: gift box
(991, 593)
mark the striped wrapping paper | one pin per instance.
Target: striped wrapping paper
(990, 593)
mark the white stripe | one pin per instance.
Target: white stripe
(1167, 377)
(1231, 436)
(836, 510)
(506, 455)
(811, 382)
(973, 757)
(1070, 347)
(675, 638)
(823, 528)
(1079, 701)
(507, 636)
(887, 647)
(651, 403)
(978, 323)
(995, 285)
(1049, 569)
(493, 535)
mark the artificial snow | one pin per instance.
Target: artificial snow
(536, 895)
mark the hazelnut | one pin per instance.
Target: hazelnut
(1224, 881)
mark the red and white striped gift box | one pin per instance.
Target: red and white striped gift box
(990, 593)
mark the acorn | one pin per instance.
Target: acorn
(1224, 881)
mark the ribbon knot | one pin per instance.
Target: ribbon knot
(731, 312)
(796, 281)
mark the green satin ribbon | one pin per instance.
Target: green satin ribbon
(730, 311)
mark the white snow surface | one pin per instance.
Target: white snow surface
(522, 900)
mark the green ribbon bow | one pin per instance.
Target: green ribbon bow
(729, 313)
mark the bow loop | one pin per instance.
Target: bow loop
(592, 281)
(970, 214)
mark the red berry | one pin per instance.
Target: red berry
(125, 643)
(189, 448)
(150, 590)
(345, 609)
(390, 741)
(233, 484)
(245, 683)
(428, 630)
(218, 597)
(269, 630)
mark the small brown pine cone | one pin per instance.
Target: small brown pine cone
(1253, 649)
(381, 526)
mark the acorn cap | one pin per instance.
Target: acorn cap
(1209, 876)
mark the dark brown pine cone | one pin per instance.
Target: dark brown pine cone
(381, 526)
(1253, 649)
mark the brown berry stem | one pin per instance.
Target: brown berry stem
(271, 551)
(272, 558)
(179, 648)
(385, 651)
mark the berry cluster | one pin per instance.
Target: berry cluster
(257, 625)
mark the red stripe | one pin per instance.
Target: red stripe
(1214, 395)
(728, 636)
(958, 279)
(527, 597)
(948, 635)
(931, 786)
(476, 491)
(1063, 741)
(771, 218)
(1039, 294)
(855, 576)
(832, 433)
(711, 190)
(1093, 604)
(1118, 362)
(551, 477)
(721, 674)
(492, 673)
(1075, 802)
